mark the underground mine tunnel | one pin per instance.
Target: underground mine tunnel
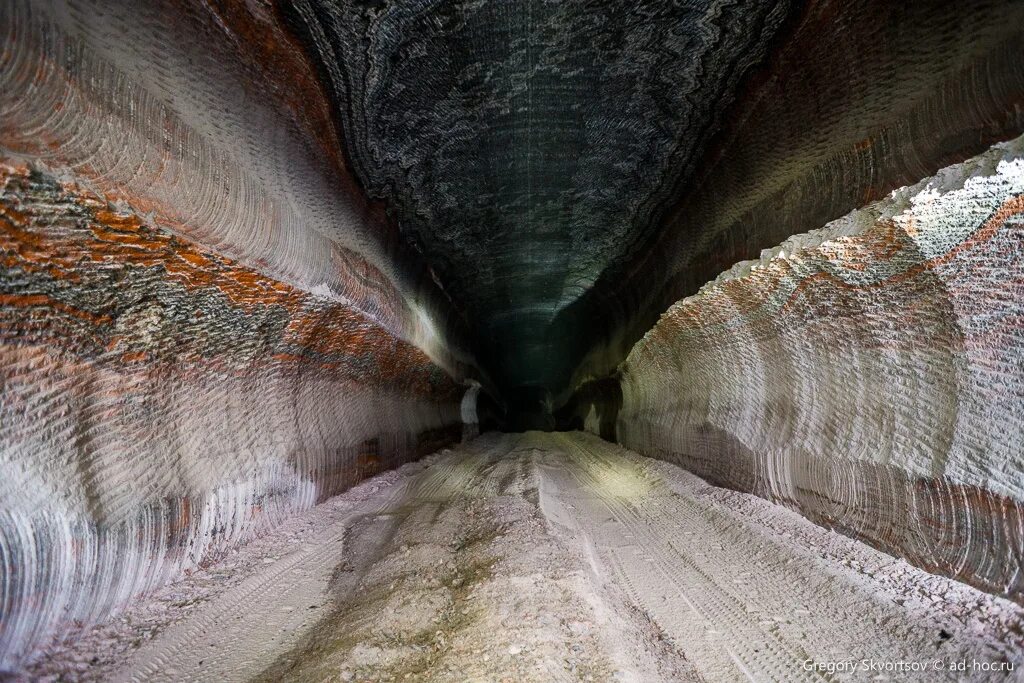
(511, 340)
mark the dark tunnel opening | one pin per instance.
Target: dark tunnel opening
(529, 408)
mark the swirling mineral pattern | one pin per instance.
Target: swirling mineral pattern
(162, 403)
(867, 374)
(253, 252)
(199, 331)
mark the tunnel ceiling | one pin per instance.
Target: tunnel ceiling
(526, 148)
(567, 170)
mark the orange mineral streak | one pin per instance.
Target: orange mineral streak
(1009, 209)
(320, 330)
(309, 108)
(20, 246)
(882, 242)
(276, 65)
(44, 301)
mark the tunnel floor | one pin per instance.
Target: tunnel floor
(548, 557)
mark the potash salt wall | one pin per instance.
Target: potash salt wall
(869, 375)
(202, 328)
(161, 404)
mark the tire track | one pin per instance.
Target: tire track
(700, 589)
(239, 631)
(734, 642)
(738, 602)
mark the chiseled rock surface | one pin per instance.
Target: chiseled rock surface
(208, 119)
(869, 374)
(857, 99)
(162, 403)
(525, 147)
(241, 245)
(205, 326)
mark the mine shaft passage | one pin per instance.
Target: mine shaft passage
(511, 340)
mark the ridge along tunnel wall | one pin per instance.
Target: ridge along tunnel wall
(869, 375)
(162, 404)
(204, 327)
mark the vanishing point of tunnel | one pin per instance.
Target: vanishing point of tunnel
(511, 340)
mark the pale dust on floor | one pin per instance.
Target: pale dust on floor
(550, 557)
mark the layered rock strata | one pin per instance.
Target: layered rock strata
(162, 403)
(208, 119)
(857, 99)
(205, 326)
(869, 374)
(525, 147)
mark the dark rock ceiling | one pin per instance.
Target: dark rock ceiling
(568, 169)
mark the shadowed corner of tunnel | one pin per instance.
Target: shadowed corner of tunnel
(593, 407)
(527, 408)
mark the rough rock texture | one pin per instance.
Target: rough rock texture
(546, 558)
(207, 119)
(858, 98)
(162, 403)
(572, 169)
(204, 326)
(525, 147)
(254, 250)
(868, 374)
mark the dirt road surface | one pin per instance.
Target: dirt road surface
(551, 557)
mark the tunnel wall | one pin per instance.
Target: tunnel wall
(869, 375)
(859, 97)
(204, 326)
(162, 403)
(208, 119)
(594, 406)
